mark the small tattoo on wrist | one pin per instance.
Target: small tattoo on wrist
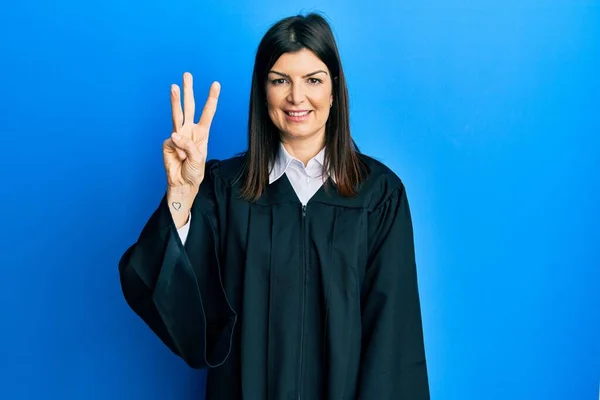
(176, 205)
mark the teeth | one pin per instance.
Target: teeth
(298, 114)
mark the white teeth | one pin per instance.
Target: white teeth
(298, 114)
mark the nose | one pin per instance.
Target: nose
(296, 94)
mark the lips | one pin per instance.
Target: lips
(298, 113)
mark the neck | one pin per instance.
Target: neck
(304, 148)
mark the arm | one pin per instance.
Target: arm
(185, 229)
(176, 291)
(393, 362)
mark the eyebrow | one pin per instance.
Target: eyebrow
(305, 76)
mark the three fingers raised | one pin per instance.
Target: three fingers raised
(186, 114)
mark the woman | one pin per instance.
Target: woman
(289, 271)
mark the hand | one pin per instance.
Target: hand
(185, 151)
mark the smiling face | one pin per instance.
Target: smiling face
(299, 95)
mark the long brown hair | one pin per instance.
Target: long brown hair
(290, 35)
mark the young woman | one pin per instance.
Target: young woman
(288, 271)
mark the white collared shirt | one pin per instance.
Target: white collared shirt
(306, 180)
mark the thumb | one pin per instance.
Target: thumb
(186, 144)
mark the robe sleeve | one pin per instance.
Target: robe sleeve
(177, 290)
(393, 364)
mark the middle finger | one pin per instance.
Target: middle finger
(188, 98)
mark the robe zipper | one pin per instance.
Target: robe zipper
(303, 300)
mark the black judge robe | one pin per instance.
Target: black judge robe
(282, 301)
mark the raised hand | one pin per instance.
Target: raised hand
(184, 153)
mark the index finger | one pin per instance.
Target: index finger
(210, 107)
(176, 111)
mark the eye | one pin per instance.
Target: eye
(279, 81)
(314, 81)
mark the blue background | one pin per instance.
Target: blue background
(489, 111)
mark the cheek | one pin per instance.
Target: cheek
(273, 108)
(323, 100)
(323, 106)
(269, 100)
(273, 100)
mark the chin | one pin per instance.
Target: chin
(299, 132)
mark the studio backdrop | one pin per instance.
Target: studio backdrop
(487, 110)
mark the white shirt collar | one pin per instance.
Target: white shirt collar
(284, 159)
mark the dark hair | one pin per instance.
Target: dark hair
(290, 35)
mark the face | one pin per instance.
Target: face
(299, 95)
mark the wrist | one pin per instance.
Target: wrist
(180, 201)
(183, 190)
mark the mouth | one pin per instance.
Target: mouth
(297, 115)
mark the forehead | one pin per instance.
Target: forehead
(299, 63)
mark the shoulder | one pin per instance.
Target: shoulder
(381, 184)
(226, 170)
